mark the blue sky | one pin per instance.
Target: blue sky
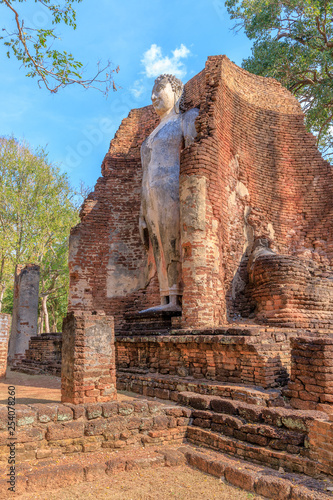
(144, 38)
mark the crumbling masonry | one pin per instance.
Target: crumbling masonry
(250, 358)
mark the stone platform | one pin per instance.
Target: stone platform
(237, 354)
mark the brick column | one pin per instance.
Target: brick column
(88, 371)
(25, 310)
(5, 320)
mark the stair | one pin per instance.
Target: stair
(50, 474)
(259, 479)
(277, 437)
(31, 367)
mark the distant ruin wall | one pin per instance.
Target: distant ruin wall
(253, 172)
(25, 310)
(43, 355)
(5, 320)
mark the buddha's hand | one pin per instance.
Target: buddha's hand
(143, 230)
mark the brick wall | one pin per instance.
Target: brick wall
(45, 348)
(5, 321)
(253, 172)
(311, 379)
(263, 177)
(239, 356)
(51, 430)
(43, 355)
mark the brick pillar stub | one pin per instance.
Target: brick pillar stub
(5, 320)
(88, 371)
(310, 386)
(25, 310)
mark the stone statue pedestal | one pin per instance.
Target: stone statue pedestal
(151, 322)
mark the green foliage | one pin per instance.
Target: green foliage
(7, 303)
(33, 47)
(37, 209)
(293, 42)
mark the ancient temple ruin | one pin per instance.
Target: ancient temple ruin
(256, 204)
(248, 353)
(256, 213)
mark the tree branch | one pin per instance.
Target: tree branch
(62, 77)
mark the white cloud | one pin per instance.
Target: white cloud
(137, 89)
(155, 63)
(181, 52)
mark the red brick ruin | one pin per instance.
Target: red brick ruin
(88, 373)
(249, 359)
(256, 213)
(257, 241)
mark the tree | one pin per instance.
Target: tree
(53, 287)
(293, 42)
(34, 48)
(37, 209)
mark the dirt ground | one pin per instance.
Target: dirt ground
(32, 389)
(180, 483)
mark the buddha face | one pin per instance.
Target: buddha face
(163, 97)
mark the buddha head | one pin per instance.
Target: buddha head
(166, 94)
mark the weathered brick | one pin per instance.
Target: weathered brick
(64, 431)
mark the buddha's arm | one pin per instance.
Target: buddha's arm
(143, 229)
(188, 123)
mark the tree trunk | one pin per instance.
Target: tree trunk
(45, 314)
(41, 322)
(54, 319)
(3, 285)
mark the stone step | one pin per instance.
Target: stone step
(228, 330)
(295, 420)
(48, 474)
(166, 386)
(43, 364)
(262, 480)
(27, 370)
(277, 436)
(269, 436)
(255, 453)
(32, 367)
